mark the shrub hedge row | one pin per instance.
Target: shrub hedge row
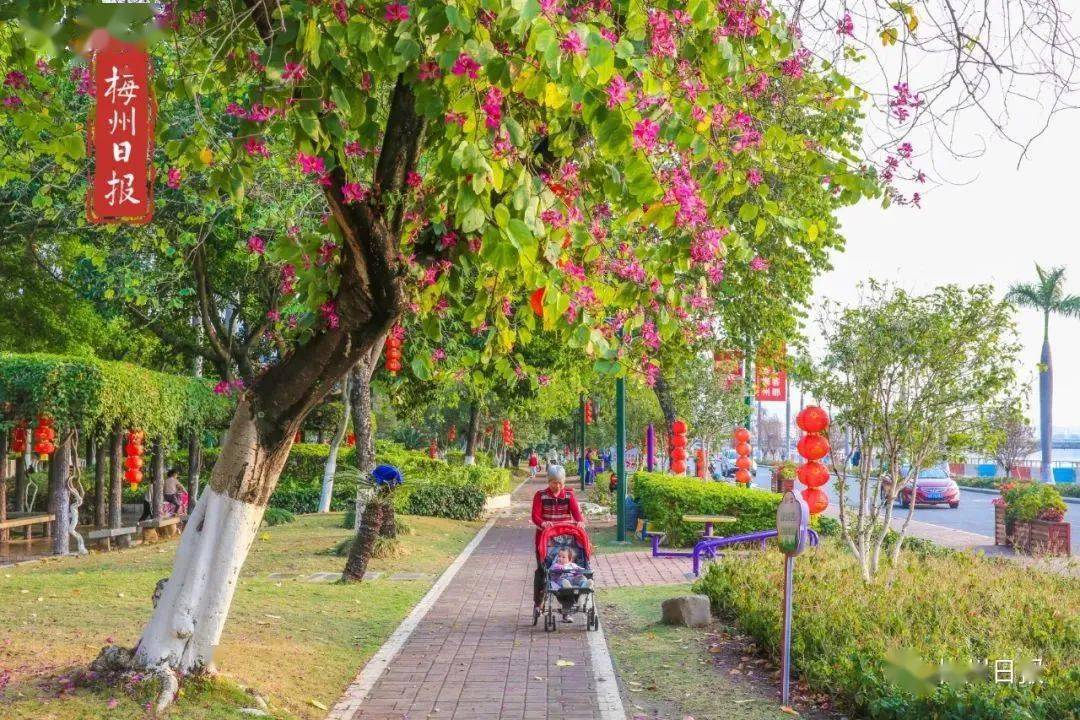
(664, 499)
(432, 486)
(952, 606)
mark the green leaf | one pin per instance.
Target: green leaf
(748, 212)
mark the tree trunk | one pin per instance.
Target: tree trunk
(157, 487)
(3, 483)
(360, 407)
(116, 479)
(364, 542)
(20, 484)
(667, 402)
(472, 433)
(1046, 419)
(186, 625)
(194, 468)
(59, 497)
(330, 468)
(101, 503)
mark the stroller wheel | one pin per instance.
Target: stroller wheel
(593, 620)
(549, 622)
(536, 616)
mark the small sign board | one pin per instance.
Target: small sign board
(792, 523)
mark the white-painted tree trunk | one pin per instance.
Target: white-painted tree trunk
(330, 469)
(186, 625)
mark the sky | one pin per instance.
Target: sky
(990, 225)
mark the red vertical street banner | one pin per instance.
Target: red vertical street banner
(770, 383)
(121, 135)
(729, 364)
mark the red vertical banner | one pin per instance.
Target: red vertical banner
(729, 365)
(770, 383)
(121, 135)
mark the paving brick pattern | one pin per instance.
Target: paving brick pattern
(476, 654)
(633, 569)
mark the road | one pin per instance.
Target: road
(975, 514)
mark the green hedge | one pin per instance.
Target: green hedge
(94, 395)
(432, 486)
(954, 606)
(665, 499)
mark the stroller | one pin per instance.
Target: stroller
(565, 600)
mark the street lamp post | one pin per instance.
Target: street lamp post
(581, 448)
(620, 458)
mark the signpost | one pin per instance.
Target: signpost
(792, 525)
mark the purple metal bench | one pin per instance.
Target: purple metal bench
(709, 547)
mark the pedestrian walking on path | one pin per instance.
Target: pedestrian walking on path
(553, 505)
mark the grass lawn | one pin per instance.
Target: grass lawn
(674, 672)
(296, 643)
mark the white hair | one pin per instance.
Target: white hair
(556, 471)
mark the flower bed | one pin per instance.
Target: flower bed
(1030, 517)
(951, 605)
(665, 499)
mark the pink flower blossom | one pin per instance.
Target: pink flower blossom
(465, 65)
(81, 75)
(645, 134)
(905, 150)
(759, 264)
(684, 190)
(273, 315)
(754, 177)
(13, 101)
(661, 39)
(651, 371)
(550, 8)
(438, 355)
(326, 253)
(16, 80)
(618, 91)
(414, 180)
(354, 192)
(294, 72)
(429, 70)
(649, 337)
(553, 217)
(396, 12)
(448, 240)
(287, 283)
(492, 106)
(256, 147)
(310, 164)
(706, 245)
(172, 179)
(453, 118)
(341, 10)
(715, 271)
(572, 44)
(610, 35)
(543, 380)
(354, 149)
(328, 311)
(256, 245)
(845, 26)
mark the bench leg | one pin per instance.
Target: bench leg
(655, 546)
(48, 529)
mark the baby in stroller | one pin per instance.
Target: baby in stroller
(568, 585)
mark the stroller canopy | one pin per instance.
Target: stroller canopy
(574, 531)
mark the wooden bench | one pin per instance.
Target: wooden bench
(168, 527)
(28, 521)
(104, 536)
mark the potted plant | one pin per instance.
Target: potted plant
(783, 478)
(1033, 518)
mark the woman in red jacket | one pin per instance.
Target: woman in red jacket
(554, 505)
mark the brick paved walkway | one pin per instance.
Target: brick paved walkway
(476, 655)
(633, 569)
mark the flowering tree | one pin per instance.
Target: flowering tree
(588, 155)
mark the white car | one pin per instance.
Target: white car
(725, 464)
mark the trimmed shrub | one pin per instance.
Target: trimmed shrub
(666, 498)
(277, 516)
(442, 499)
(953, 606)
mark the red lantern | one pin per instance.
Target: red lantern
(813, 474)
(452, 433)
(433, 450)
(678, 447)
(351, 440)
(743, 463)
(743, 449)
(18, 440)
(742, 476)
(813, 446)
(133, 450)
(700, 462)
(536, 301)
(741, 435)
(44, 434)
(588, 412)
(394, 342)
(812, 419)
(816, 500)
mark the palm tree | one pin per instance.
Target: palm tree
(1048, 296)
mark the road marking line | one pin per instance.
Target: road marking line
(374, 668)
